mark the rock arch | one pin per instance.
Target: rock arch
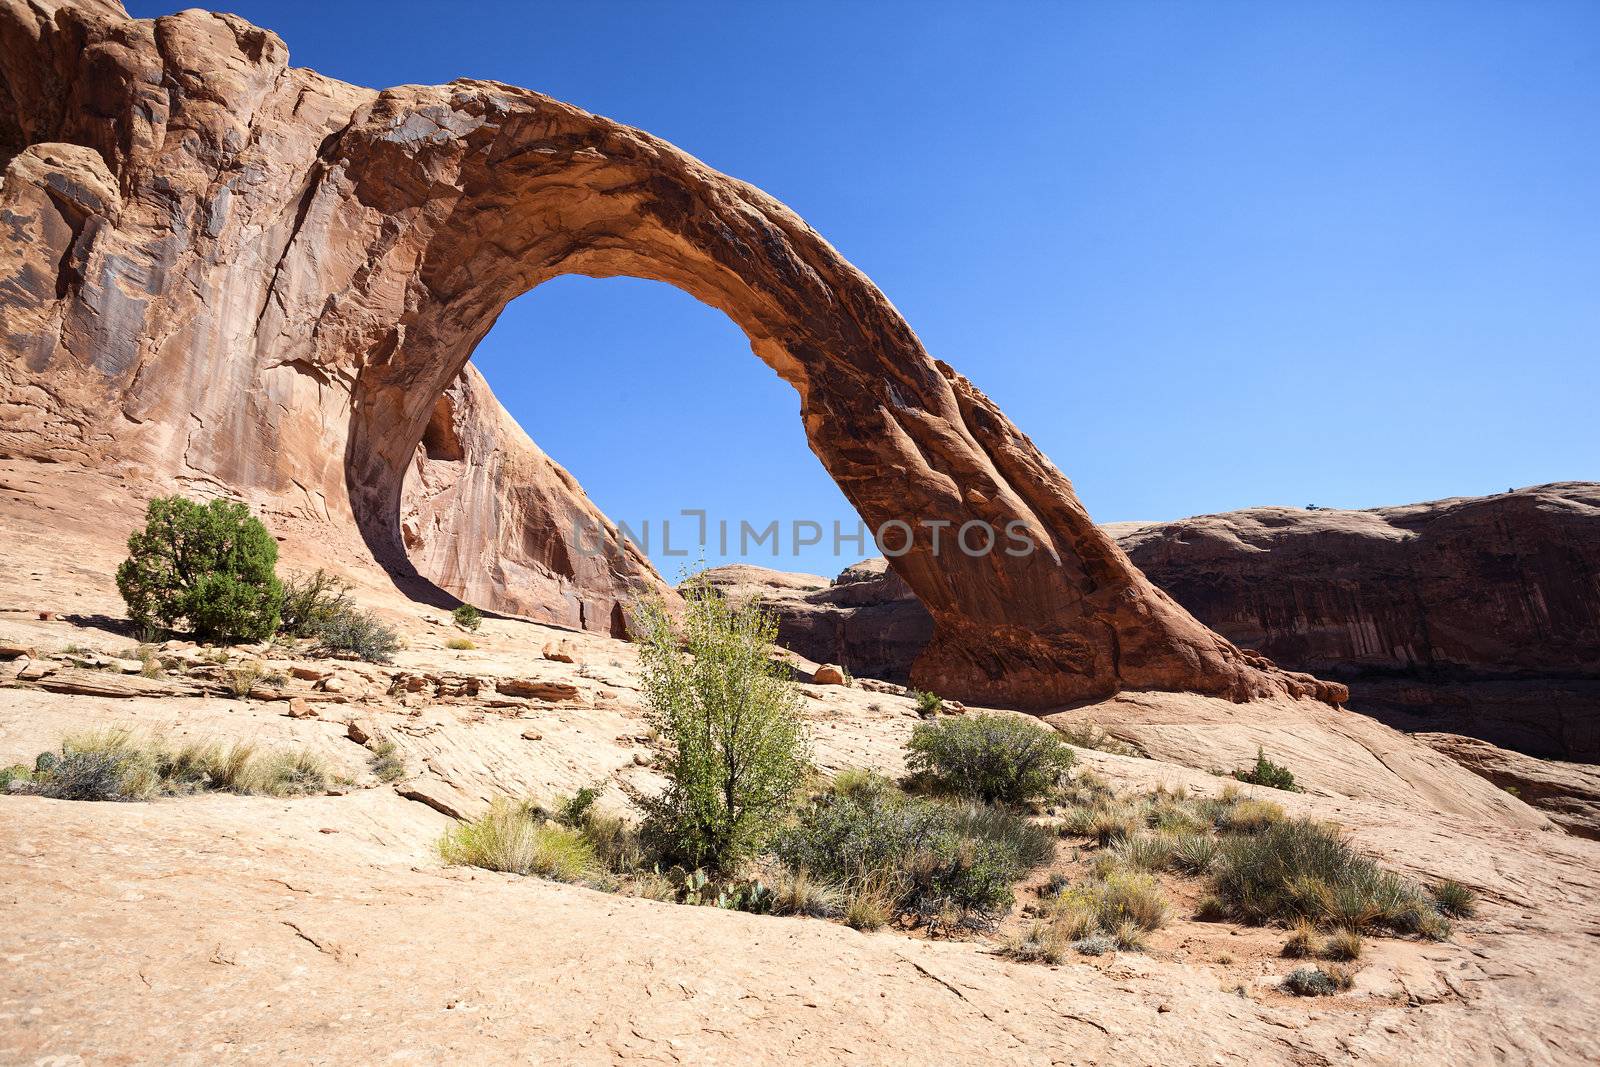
(384, 232)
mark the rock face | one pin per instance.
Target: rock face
(220, 271)
(1473, 615)
(488, 516)
(867, 619)
(1569, 793)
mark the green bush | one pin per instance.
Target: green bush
(208, 564)
(928, 704)
(737, 746)
(1267, 773)
(1300, 869)
(467, 617)
(994, 758)
(1318, 981)
(934, 860)
(1453, 898)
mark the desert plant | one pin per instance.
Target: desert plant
(243, 678)
(796, 891)
(310, 601)
(1305, 943)
(870, 903)
(104, 765)
(17, 772)
(1455, 899)
(1301, 869)
(1317, 981)
(459, 644)
(467, 617)
(1141, 852)
(928, 704)
(210, 565)
(737, 745)
(1121, 896)
(1094, 945)
(946, 861)
(1193, 853)
(994, 758)
(1248, 816)
(1267, 773)
(285, 773)
(507, 838)
(1038, 942)
(359, 633)
(1343, 945)
(386, 760)
(1090, 735)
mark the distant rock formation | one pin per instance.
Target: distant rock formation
(1474, 615)
(222, 271)
(867, 620)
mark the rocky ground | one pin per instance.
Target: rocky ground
(221, 928)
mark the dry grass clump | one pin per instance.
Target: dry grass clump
(510, 838)
(118, 764)
(1119, 907)
(1040, 942)
(799, 892)
(1090, 735)
(386, 761)
(1302, 869)
(459, 644)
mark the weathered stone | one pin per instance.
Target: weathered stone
(828, 674)
(537, 688)
(11, 651)
(560, 652)
(146, 332)
(299, 708)
(105, 684)
(358, 731)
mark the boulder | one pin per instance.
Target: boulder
(536, 688)
(829, 674)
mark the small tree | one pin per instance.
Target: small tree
(738, 747)
(467, 617)
(210, 564)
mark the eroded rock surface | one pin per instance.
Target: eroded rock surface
(225, 272)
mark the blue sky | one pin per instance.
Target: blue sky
(1207, 255)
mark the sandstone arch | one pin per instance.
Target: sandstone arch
(350, 248)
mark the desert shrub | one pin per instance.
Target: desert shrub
(1301, 869)
(17, 772)
(737, 745)
(1090, 735)
(459, 644)
(1267, 773)
(1113, 823)
(1453, 898)
(286, 773)
(310, 601)
(994, 758)
(509, 838)
(210, 565)
(1344, 945)
(1141, 852)
(386, 760)
(1102, 904)
(1317, 981)
(796, 891)
(1305, 943)
(467, 617)
(1248, 816)
(1193, 853)
(359, 633)
(928, 704)
(243, 678)
(1093, 945)
(938, 861)
(870, 903)
(106, 765)
(1039, 942)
